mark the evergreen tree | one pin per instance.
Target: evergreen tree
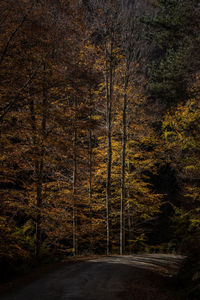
(174, 35)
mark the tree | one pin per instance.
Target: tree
(36, 160)
(173, 32)
(106, 30)
(131, 47)
(181, 134)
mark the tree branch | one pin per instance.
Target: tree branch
(7, 108)
(13, 34)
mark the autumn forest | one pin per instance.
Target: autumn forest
(99, 128)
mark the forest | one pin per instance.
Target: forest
(99, 129)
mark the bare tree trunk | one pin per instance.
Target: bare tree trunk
(90, 178)
(39, 168)
(90, 189)
(39, 171)
(74, 217)
(129, 227)
(109, 96)
(74, 195)
(38, 179)
(123, 163)
(123, 183)
(128, 195)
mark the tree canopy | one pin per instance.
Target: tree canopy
(99, 128)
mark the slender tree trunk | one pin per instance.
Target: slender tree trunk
(39, 168)
(129, 226)
(123, 162)
(90, 189)
(38, 179)
(128, 195)
(39, 171)
(74, 195)
(74, 217)
(123, 183)
(109, 96)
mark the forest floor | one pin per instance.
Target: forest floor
(134, 277)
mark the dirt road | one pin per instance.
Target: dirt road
(135, 277)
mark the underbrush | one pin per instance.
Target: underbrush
(188, 278)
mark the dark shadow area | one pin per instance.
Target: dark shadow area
(126, 277)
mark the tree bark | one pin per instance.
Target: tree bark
(128, 196)
(90, 189)
(39, 171)
(109, 98)
(39, 168)
(123, 163)
(74, 217)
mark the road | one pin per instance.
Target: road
(134, 277)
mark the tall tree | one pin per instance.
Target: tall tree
(105, 25)
(131, 47)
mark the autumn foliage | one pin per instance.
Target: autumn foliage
(99, 104)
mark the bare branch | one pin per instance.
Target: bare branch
(13, 35)
(8, 107)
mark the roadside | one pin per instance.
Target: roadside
(155, 284)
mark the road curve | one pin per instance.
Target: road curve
(107, 278)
